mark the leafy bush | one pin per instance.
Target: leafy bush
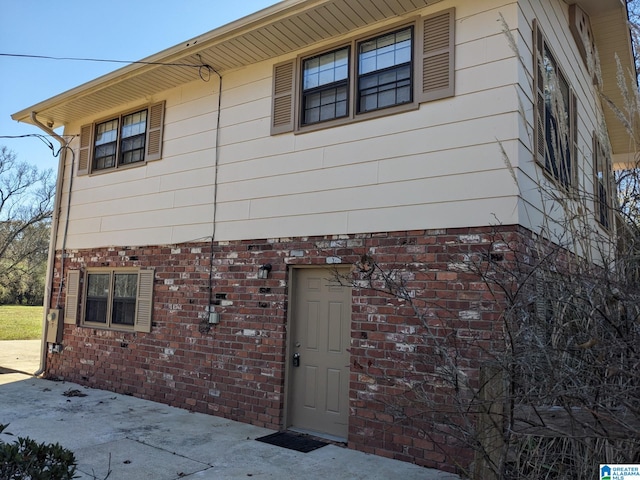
(26, 459)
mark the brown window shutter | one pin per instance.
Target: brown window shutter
(541, 302)
(436, 61)
(84, 157)
(283, 98)
(573, 109)
(538, 88)
(602, 186)
(144, 301)
(72, 297)
(597, 162)
(155, 129)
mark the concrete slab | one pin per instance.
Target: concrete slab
(139, 439)
(126, 458)
(20, 356)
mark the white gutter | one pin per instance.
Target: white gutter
(51, 257)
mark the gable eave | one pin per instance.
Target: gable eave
(281, 29)
(609, 21)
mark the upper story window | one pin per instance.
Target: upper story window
(117, 298)
(325, 86)
(555, 115)
(602, 184)
(385, 71)
(115, 146)
(131, 138)
(366, 77)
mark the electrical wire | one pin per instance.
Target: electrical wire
(65, 147)
(35, 135)
(43, 138)
(105, 60)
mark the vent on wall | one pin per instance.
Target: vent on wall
(580, 27)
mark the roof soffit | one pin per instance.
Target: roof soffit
(613, 41)
(286, 27)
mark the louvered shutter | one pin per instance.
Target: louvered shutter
(538, 88)
(436, 63)
(602, 184)
(541, 303)
(84, 156)
(282, 112)
(597, 179)
(573, 134)
(144, 301)
(155, 129)
(72, 297)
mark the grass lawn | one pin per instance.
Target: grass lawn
(20, 323)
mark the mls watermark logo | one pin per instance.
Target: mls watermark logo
(619, 472)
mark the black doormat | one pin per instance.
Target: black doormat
(293, 441)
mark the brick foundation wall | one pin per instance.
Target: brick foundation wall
(236, 369)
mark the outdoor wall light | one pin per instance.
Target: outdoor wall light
(263, 271)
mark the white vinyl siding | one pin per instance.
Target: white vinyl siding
(553, 17)
(436, 166)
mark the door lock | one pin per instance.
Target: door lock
(296, 359)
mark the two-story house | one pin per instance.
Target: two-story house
(206, 196)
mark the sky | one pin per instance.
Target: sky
(117, 29)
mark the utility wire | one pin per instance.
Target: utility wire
(35, 135)
(43, 138)
(202, 67)
(79, 59)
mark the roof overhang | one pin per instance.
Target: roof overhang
(285, 27)
(291, 25)
(609, 22)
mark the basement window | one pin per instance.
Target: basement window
(112, 298)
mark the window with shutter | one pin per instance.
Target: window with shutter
(119, 299)
(388, 72)
(555, 115)
(602, 183)
(129, 139)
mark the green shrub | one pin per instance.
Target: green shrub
(26, 459)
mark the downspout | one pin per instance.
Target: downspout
(51, 257)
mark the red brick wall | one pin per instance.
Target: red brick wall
(236, 369)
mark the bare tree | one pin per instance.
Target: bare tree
(26, 202)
